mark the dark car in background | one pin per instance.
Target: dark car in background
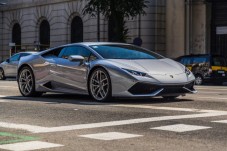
(206, 68)
(8, 68)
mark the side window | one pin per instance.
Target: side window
(53, 53)
(65, 53)
(15, 57)
(77, 50)
(23, 55)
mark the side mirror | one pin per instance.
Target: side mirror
(7, 60)
(76, 58)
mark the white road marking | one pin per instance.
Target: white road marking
(166, 108)
(110, 136)
(222, 121)
(75, 109)
(8, 87)
(27, 127)
(180, 128)
(27, 146)
(39, 129)
(3, 96)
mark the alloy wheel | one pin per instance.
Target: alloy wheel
(26, 82)
(99, 85)
(198, 80)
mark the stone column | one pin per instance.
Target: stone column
(175, 28)
(199, 27)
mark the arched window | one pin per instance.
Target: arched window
(44, 35)
(16, 37)
(77, 30)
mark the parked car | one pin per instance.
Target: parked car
(103, 70)
(8, 68)
(206, 68)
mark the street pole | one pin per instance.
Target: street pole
(188, 26)
(98, 25)
(139, 35)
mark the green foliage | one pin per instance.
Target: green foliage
(128, 8)
(118, 10)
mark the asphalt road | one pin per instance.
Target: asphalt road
(61, 122)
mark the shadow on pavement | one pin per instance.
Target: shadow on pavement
(87, 100)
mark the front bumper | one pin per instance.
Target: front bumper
(142, 89)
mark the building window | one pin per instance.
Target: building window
(44, 35)
(16, 38)
(77, 30)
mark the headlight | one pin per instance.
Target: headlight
(136, 73)
(188, 72)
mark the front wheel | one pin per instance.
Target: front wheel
(100, 85)
(26, 83)
(2, 74)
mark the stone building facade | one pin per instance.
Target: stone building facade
(28, 17)
(170, 27)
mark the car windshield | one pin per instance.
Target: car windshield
(124, 52)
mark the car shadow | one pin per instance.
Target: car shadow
(87, 100)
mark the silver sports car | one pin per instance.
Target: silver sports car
(103, 70)
(8, 68)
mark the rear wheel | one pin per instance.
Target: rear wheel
(26, 83)
(2, 74)
(100, 85)
(198, 79)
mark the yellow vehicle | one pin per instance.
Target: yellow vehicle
(206, 68)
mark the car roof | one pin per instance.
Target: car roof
(83, 44)
(100, 43)
(29, 52)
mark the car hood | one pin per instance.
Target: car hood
(150, 66)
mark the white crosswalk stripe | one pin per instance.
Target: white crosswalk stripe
(39, 129)
(28, 146)
(180, 128)
(222, 121)
(110, 136)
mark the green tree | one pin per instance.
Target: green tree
(117, 11)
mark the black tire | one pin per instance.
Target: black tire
(101, 86)
(2, 74)
(31, 82)
(170, 97)
(198, 79)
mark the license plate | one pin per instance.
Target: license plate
(221, 72)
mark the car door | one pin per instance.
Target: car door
(51, 57)
(73, 75)
(11, 67)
